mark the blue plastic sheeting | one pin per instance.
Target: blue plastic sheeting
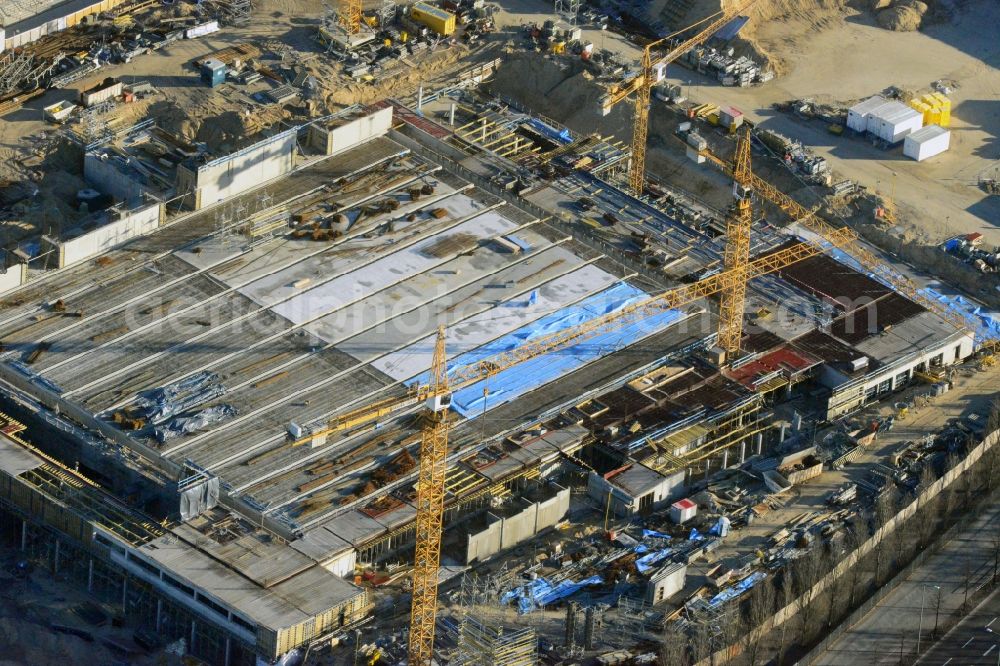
(647, 562)
(520, 242)
(984, 324)
(547, 130)
(655, 534)
(541, 592)
(731, 29)
(695, 535)
(529, 375)
(952, 245)
(738, 589)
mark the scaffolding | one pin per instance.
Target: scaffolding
(487, 645)
(570, 9)
(15, 70)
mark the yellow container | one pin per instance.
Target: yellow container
(945, 105)
(439, 20)
(922, 108)
(935, 116)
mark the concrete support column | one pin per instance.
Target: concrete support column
(759, 441)
(90, 575)
(708, 466)
(55, 559)
(451, 114)
(159, 610)
(124, 591)
(24, 535)
(194, 631)
(228, 642)
(743, 451)
(420, 97)
(725, 458)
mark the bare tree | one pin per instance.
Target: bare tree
(674, 649)
(760, 610)
(808, 571)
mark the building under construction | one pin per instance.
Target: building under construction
(168, 393)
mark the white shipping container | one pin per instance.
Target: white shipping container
(927, 142)
(202, 30)
(892, 121)
(857, 115)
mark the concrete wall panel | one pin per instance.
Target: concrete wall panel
(551, 511)
(246, 169)
(482, 545)
(102, 239)
(519, 527)
(13, 278)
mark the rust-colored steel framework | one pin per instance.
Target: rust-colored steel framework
(641, 86)
(809, 220)
(737, 253)
(430, 511)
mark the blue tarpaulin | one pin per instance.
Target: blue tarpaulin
(695, 535)
(738, 589)
(647, 562)
(540, 592)
(549, 131)
(529, 375)
(654, 533)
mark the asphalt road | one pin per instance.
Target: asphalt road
(909, 613)
(974, 641)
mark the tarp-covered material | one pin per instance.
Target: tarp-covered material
(185, 425)
(551, 132)
(647, 562)
(529, 375)
(985, 325)
(160, 404)
(654, 534)
(540, 592)
(738, 589)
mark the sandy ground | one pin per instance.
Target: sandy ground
(853, 59)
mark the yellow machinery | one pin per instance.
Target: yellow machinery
(642, 84)
(439, 20)
(737, 254)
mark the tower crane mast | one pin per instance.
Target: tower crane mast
(430, 510)
(737, 253)
(641, 86)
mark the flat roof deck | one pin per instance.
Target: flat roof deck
(294, 329)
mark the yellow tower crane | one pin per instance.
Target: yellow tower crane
(737, 254)
(430, 510)
(641, 85)
(350, 16)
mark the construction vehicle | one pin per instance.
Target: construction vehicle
(650, 73)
